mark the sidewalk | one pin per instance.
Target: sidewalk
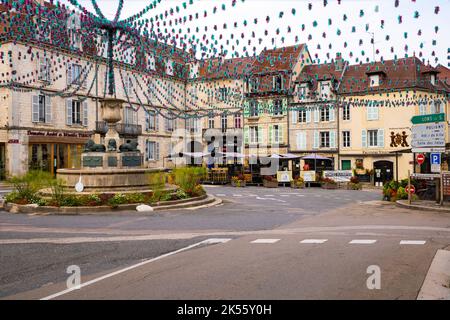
(425, 205)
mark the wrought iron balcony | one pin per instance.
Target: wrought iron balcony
(124, 129)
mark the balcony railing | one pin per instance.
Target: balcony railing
(124, 129)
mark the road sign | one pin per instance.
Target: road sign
(410, 189)
(435, 158)
(428, 118)
(420, 158)
(435, 168)
(428, 150)
(428, 135)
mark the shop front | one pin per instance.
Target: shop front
(52, 150)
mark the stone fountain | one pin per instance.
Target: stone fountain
(109, 169)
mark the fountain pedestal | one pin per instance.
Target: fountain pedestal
(105, 168)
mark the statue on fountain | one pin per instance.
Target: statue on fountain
(91, 146)
(129, 146)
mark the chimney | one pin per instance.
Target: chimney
(339, 62)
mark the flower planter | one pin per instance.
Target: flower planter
(354, 186)
(329, 186)
(270, 184)
(296, 186)
(241, 183)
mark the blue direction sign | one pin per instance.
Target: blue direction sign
(435, 158)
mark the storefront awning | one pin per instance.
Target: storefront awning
(314, 156)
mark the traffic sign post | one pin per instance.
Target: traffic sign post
(428, 118)
(420, 158)
(435, 160)
(410, 189)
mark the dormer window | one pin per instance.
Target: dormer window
(193, 70)
(151, 64)
(433, 79)
(325, 91)
(302, 92)
(277, 83)
(169, 67)
(374, 80)
(74, 27)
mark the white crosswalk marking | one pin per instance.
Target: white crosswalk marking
(419, 242)
(362, 241)
(265, 241)
(284, 195)
(312, 241)
(220, 195)
(237, 195)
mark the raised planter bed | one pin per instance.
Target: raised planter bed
(17, 208)
(329, 186)
(241, 184)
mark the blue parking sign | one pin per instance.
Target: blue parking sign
(435, 158)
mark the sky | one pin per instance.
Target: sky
(322, 28)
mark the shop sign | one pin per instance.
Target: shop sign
(59, 134)
(309, 176)
(424, 176)
(446, 183)
(284, 176)
(13, 141)
(339, 175)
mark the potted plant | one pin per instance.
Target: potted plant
(298, 183)
(238, 181)
(354, 184)
(270, 182)
(328, 183)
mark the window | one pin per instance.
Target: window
(74, 75)
(325, 114)
(151, 121)
(253, 108)
(277, 83)
(373, 138)
(433, 107)
(422, 108)
(302, 115)
(253, 134)
(152, 150)
(169, 67)
(325, 91)
(43, 30)
(76, 112)
(151, 90)
(346, 112)
(301, 140)
(211, 122)
(193, 125)
(169, 124)
(151, 64)
(346, 139)
(372, 112)
(433, 79)
(224, 121)
(128, 54)
(194, 95)
(277, 134)
(277, 108)
(170, 92)
(128, 86)
(324, 139)
(193, 70)
(223, 94)
(130, 116)
(41, 109)
(238, 120)
(254, 85)
(74, 26)
(302, 92)
(374, 80)
(44, 69)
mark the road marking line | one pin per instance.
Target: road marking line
(237, 195)
(265, 241)
(112, 274)
(413, 242)
(284, 195)
(310, 241)
(362, 241)
(300, 195)
(221, 195)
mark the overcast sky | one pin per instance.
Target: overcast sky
(358, 42)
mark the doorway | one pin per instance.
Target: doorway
(383, 171)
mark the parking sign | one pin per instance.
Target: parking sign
(435, 158)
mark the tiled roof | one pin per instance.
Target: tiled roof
(406, 73)
(228, 68)
(279, 59)
(319, 72)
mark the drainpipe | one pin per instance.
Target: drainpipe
(338, 140)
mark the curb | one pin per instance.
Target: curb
(437, 281)
(192, 203)
(404, 204)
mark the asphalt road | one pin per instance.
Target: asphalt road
(36, 250)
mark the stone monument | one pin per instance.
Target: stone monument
(109, 168)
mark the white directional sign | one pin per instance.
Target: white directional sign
(428, 135)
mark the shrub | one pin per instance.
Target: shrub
(58, 192)
(328, 181)
(354, 179)
(135, 198)
(27, 186)
(117, 200)
(188, 178)
(180, 194)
